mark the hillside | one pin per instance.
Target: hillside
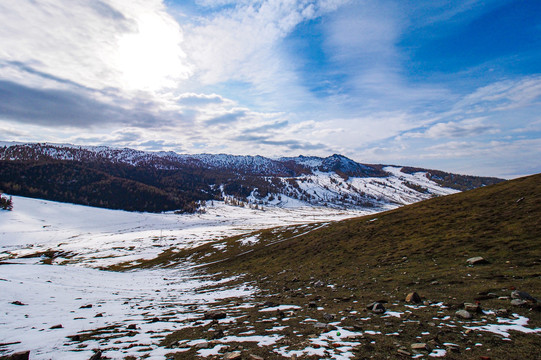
(143, 181)
(213, 286)
(330, 272)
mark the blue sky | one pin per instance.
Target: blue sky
(454, 86)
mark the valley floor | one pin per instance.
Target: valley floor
(58, 303)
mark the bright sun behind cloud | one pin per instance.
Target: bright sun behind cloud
(151, 57)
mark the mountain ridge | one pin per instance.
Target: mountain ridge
(183, 181)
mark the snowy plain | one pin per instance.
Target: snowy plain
(75, 293)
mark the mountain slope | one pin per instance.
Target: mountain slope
(500, 222)
(331, 271)
(181, 181)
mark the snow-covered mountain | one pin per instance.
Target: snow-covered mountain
(157, 181)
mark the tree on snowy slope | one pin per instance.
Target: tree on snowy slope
(5, 203)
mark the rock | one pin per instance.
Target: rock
(17, 302)
(477, 260)
(96, 356)
(312, 305)
(319, 283)
(502, 312)
(217, 315)
(413, 297)
(132, 327)
(472, 307)
(452, 347)
(202, 345)
(23, 355)
(420, 347)
(378, 308)
(329, 317)
(519, 302)
(99, 315)
(255, 357)
(522, 295)
(464, 314)
(75, 337)
(232, 355)
(403, 352)
(59, 326)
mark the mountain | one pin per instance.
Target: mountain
(162, 181)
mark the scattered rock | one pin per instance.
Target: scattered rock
(319, 283)
(99, 315)
(470, 307)
(378, 308)
(255, 357)
(312, 304)
(477, 260)
(233, 355)
(59, 326)
(210, 315)
(420, 347)
(17, 302)
(89, 306)
(23, 355)
(329, 317)
(452, 347)
(464, 314)
(132, 327)
(413, 297)
(522, 295)
(403, 352)
(519, 302)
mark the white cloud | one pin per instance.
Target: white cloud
(503, 95)
(455, 129)
(125, 44)
(243, 44)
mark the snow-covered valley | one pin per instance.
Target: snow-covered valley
(50, 274)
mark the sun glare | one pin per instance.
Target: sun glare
(151, 58)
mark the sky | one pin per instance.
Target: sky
(449, 85)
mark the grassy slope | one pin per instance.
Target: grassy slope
(436, 236)
(421, 247)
